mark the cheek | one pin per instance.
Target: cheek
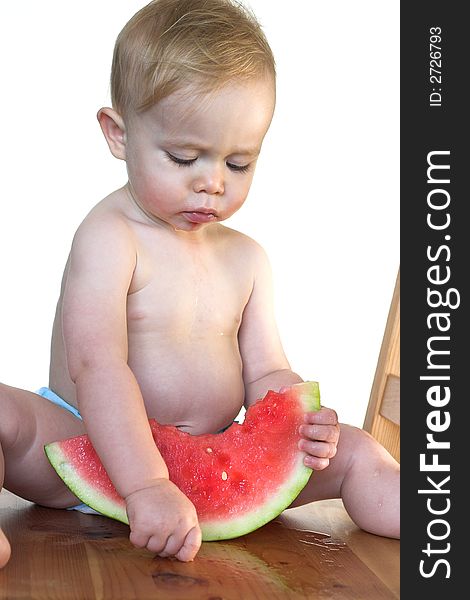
(233, 203)
(157, 187)
(160, 194)
(239, 194)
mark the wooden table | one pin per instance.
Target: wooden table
(309, 552)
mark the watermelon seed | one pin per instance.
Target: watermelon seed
(209, 450)
(224, 475)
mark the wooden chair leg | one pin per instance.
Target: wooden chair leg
(382, 419)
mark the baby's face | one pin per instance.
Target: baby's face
(191, 159)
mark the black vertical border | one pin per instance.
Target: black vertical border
(424, 129)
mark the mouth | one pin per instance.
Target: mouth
(201, 215)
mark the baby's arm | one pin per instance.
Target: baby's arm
(100, 269)
(265, 366)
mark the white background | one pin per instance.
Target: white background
(324, 202)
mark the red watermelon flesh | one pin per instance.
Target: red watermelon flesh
(238, 480)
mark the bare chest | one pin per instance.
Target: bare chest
(189, 296)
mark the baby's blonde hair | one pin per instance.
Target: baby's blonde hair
(172, 44)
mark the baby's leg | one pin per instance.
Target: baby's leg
(28, 423)
(366, 477)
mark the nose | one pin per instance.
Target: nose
(209, 181)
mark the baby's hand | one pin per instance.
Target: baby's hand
(163, 520)
(320, 434)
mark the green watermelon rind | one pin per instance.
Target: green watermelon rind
(84, 492)
(260, 515)
(309, 396)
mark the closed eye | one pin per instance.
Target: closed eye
(182, 162)
(186, 162)
(238, 168)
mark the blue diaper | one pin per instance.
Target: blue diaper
(47, 393)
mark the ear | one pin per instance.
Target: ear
(114, 130)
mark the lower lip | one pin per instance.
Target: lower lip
(199, 217)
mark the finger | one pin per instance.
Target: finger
(318, 449)
(191, 545)
(173, 545)
(138, 539)
(324, 416)
(315, 463)
(323, 433)
(157, 544)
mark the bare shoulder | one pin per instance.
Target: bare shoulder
(246, 249)
(105, 230)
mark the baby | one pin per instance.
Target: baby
(157, 293)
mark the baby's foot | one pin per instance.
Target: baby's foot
(5, 550)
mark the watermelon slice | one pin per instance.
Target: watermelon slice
(238, 480)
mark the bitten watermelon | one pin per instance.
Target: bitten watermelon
(238, 480)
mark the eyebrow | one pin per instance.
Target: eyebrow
(190, 145)
(247, 151)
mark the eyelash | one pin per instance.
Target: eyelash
(186, 162)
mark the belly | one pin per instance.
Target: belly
(195, 384)
(189, 377)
